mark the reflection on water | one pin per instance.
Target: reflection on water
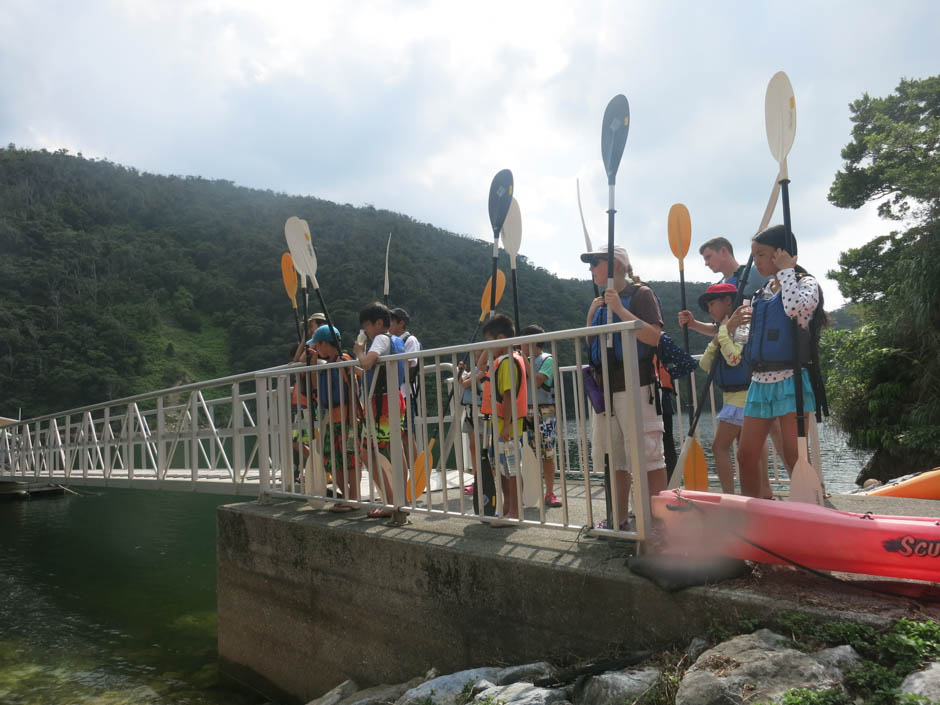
(109, 598)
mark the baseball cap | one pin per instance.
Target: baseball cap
(620, 254)
(716, 291)
(322, 334)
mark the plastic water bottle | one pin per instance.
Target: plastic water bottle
(743, 331)
(507, 454)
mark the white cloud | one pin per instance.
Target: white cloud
(414, 106)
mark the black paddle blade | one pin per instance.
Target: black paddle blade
(614, 134)
(500, 199)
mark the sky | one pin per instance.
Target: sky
(414, 106)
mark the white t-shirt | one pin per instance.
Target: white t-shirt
(412, 344)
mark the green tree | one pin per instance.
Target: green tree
(885, 376)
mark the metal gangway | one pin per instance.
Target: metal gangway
(245, 435)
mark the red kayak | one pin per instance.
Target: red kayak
(768, 531)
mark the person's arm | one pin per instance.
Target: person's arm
(731, 351)
(800, 296)
(650, 333)
(708, 357)
(686, 318)
(380, 346)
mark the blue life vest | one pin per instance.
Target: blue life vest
(381, 385)
(644, 351)
(330, 391)
(731, 378)
(770, 341)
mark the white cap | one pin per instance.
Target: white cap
(620, 254)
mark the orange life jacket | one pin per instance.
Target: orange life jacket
(520, 383)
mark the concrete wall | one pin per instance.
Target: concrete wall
(307, 599)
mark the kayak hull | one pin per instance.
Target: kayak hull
(714, 524)
(923, 485)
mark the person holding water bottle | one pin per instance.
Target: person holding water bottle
(791, 294)
(507, 436)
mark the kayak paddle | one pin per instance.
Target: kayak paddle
(289, 275)
(512, 239)
(780, 113)
(679, 229)
(297, 233)
(614, 130)
(587, 238)
(499, 202)
(385, 290)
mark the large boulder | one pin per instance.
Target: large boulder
(521, 693)
(617, 687)
(444, 690)
(759, 667)
(925, 683)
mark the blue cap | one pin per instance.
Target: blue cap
(322, 334)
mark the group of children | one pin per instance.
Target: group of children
(752, 350)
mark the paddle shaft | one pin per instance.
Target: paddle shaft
(609, 401)
(329, 320)
(493, 274)
(515, 301)
(685, 331)
(797, 363)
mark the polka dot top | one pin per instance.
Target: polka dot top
(800, 299)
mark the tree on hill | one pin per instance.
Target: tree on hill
(115, 282)
(884, 377)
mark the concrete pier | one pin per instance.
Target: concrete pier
(307, 599)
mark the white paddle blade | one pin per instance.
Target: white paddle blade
(388, 246)
(587, 238)
(512, 231)
(676, 479)
(297, 234)
(804, 483)
(780, 115)
(531, 477)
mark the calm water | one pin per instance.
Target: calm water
(109, 598)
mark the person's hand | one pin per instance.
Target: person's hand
(595, 304)
(742, 316)
(612, 299)
(505, 433)
(686, 317)
(783, 260)
(358, 349)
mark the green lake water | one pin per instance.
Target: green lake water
(109, 599)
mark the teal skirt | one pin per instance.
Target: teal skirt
(768, 401)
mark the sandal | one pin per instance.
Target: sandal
(380, 514)
(342, 508)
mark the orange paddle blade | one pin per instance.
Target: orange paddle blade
(420, 473)
(680, 230)
(289, 274)
(695, 471)
(500, 288)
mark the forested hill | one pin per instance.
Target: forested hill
(115, 282)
